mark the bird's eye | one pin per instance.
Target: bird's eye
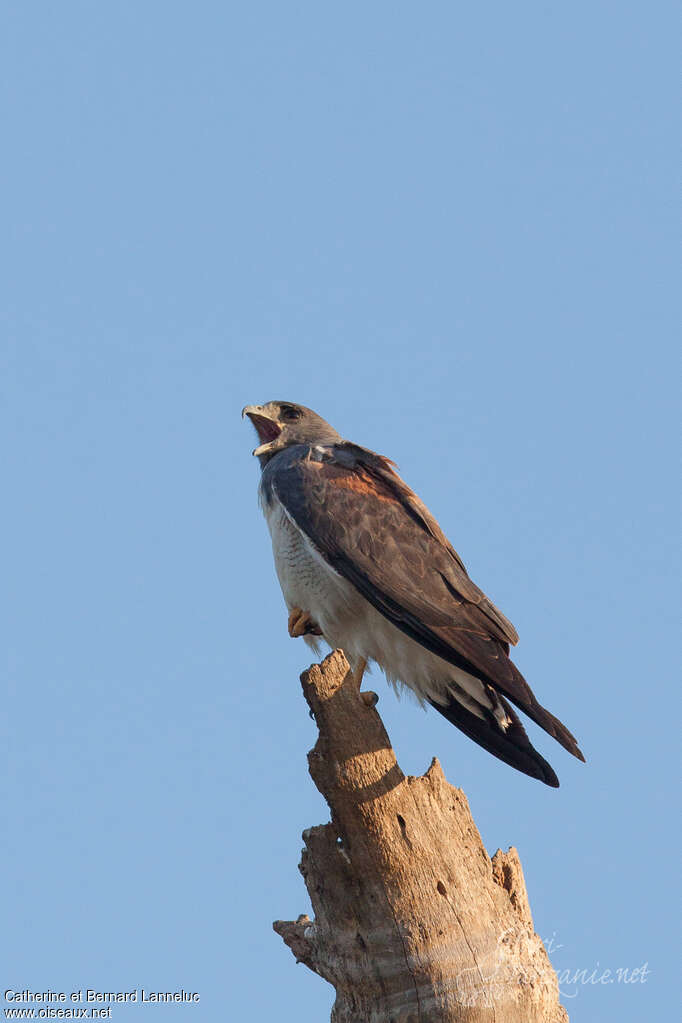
(290, 414)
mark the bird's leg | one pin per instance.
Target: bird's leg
(301, 624)
(359, 671)
(368, 698)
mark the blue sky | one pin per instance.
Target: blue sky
(447, 229)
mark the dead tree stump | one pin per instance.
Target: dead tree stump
(414, 923)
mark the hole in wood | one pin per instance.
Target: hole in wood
(441, 888)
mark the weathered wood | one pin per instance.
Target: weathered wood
(413, 921)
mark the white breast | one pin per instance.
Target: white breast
(307, 580)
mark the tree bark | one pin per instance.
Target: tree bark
(414, 923)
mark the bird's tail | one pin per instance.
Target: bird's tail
(510, 744)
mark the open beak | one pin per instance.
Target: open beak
(267, 429)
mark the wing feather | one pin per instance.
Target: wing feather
(374, 531)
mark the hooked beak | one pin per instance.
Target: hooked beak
(267, 429)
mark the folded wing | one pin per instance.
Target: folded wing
(373, 530)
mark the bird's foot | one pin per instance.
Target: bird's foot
(359, 671)
(301, 624)
(368, 698)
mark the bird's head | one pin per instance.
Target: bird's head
(281, 424)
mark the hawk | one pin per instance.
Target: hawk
(363, 564)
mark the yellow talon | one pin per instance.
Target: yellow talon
(301, 624)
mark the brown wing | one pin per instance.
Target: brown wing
(375, 532)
